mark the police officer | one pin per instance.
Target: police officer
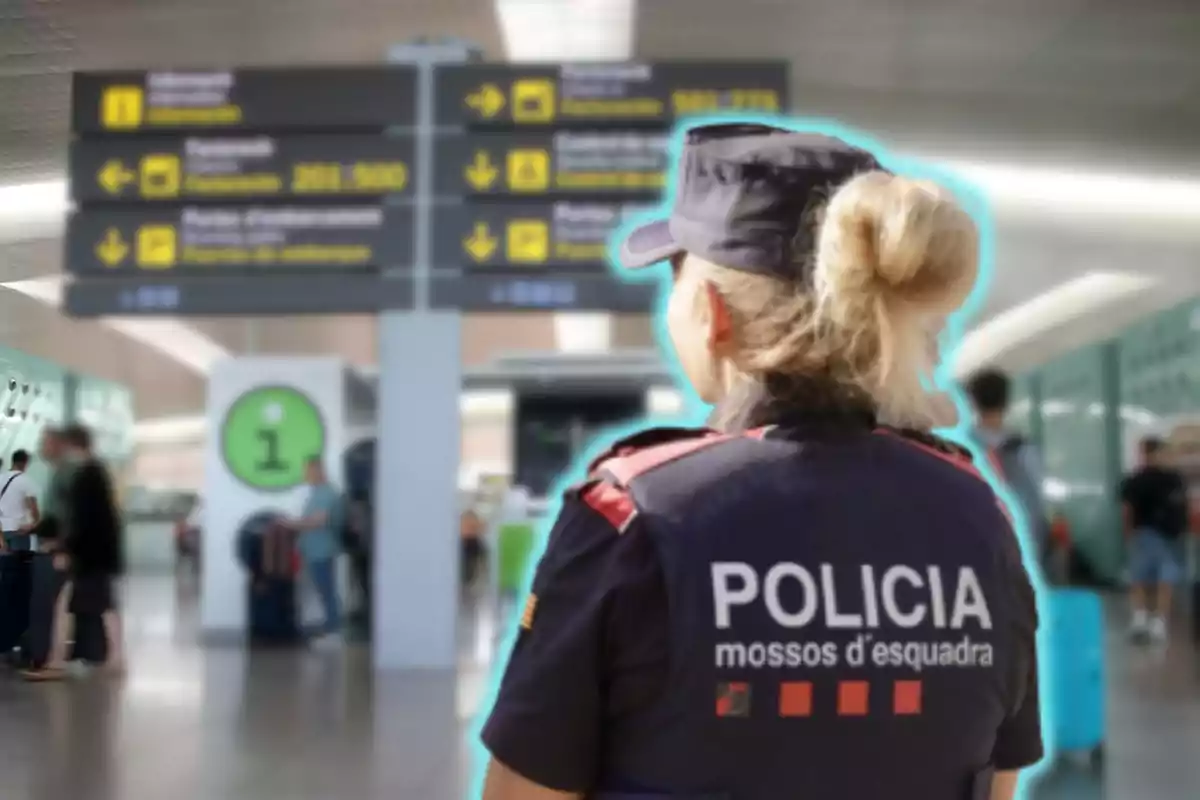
(814, 597)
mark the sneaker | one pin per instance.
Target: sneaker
(1139, 627)
(1158, 629)
(328, 642)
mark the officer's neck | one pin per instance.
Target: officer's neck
(787, 399)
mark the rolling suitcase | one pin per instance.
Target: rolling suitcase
(273, 613)
(1075, 624)
(272, 606)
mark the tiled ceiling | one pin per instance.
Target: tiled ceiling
(1087, 80)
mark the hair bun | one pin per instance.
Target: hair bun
(897, 238)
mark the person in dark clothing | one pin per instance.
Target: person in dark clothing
(92, 542)
(813, 595)
(1155, 504)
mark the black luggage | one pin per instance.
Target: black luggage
(272, 605)
(268, 551)
(46, 583)
(15, 580)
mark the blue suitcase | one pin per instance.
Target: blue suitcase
(1076, 695)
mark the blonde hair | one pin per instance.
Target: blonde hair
(892, 258)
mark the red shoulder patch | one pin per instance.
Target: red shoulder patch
(642, 440)
(612, 502)
(625, 466)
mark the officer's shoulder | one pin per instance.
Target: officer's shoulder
(946, 450)
(649, 449)
(607, 487)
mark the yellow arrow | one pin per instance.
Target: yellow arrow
(488, 100)
(114, 176)
(481, 173)
(480, 244)
(112, 249)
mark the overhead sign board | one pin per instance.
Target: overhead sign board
(627, 163)
(308, 99)
(215, 295)
(524, 237)
(227, 191)
(248, 238)
(601, 95)
(191, 168)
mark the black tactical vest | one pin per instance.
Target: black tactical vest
(841, 617)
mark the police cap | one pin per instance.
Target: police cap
(743, 197)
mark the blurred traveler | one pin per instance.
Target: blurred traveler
(1155, 503)
(816, 594)
(49, 537)
(1015, 458)
(473, 553)
(319, 542)
(18, 504)
(187, 536)
(93, 549)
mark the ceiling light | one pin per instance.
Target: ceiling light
(1033, 189)
(177, 340)
(1027, 321)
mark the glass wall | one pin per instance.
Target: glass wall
(1088, 409)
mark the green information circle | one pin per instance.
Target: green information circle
(268, 435)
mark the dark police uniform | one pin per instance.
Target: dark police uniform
(806, 604)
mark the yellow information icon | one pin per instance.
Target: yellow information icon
(527, 241)
(528, 170)
(159, 175)
(533, 100)
(156, 246)
(121, 107)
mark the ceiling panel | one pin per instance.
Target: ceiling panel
(162, 386)
(1078, 79)
(41, 42)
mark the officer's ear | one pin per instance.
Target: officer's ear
(720, 327)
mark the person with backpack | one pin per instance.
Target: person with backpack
(1014, 458)
(1155, 503)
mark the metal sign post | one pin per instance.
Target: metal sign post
(420, 379)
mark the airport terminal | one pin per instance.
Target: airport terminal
(277, 267)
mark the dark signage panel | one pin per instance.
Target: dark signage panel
(217, 295)
(542, 292)
(528, 237)
(243, 100)
(170, 170)
(251, 238)
(574, 95)
(608, 163)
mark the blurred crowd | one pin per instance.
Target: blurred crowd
(61, 559)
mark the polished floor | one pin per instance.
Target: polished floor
(220, 724)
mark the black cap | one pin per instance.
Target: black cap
(742, 196)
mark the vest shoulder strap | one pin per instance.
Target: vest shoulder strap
(645, 450)
(606, 490)
(944, 449)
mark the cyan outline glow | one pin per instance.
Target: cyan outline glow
(695, 412)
